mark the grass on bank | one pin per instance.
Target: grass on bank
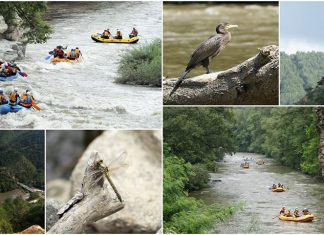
(184, 214)
(141, 66)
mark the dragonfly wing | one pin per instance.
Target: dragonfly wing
(118, 163)
(75, 199)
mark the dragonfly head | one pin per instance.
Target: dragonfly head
(101, 164)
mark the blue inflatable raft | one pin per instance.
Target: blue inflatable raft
(6, 108)
(10, 78)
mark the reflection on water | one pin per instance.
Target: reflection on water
(261, 204)
(84, 95)
(186, 26)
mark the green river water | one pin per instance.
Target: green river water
(186, 26)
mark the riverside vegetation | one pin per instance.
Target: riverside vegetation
(195, 139)
(141, 66)
(21, 160)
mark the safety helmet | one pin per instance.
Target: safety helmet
(1, 91)
(16, 89)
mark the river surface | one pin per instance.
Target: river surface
(251, 186)
(186, 26)
(84, 95)
(12, 194)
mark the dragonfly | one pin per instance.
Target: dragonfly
(112, 167)
(99, 170)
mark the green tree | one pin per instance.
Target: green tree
(28, 16)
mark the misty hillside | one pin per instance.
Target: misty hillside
(299, 73)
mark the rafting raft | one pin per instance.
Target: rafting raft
(9, 78)
(6, 108)
(305, 218)
(98, 38)
(56, 60)
(278, 190)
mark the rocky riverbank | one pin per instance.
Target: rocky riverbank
(12, 46)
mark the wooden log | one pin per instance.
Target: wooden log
(94, 202)
(253, 82)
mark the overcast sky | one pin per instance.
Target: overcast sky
(301, 26)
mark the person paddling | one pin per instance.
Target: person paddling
(118, 35)
(3, 98)
(282, 211)
(14, 97)
(296, 213)
(134, 33)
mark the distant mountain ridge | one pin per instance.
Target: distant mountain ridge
(299, 73)
(21, 157)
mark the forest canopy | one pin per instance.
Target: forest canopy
(22, 158)
(30, 17)
(299, 73)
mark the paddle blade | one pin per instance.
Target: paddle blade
(36, 106)
(48, 57)
(23, 74)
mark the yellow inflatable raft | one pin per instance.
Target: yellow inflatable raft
(305, 218)
(278, 190)
(98, 38)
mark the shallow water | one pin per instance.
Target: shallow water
(12, 194)
(84, 96)
(261, 204)
(186, 26)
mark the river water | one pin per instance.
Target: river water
(185, 26)
(84, 96)
(12, 194)
(251, 186)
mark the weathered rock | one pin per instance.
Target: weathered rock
(320, 126)
(253, 82)
(3, 25)
(139, 186)
(13, 33)
(34, 229)
(12, 51)
(52, 207)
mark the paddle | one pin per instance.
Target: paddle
(35, 106)
(48, 57)
(275, 217)
(22, 73)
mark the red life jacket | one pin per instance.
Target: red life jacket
(60, 52)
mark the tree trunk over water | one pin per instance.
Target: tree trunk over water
(253, 82)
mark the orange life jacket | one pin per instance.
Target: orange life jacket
(106, 34)
(13, 97)
(24, 100)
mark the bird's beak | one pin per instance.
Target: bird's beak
(231, 26)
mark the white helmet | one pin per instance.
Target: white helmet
(16, 89)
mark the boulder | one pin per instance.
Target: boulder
(3, 25)
(34, 229)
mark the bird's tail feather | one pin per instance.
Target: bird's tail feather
(177, 85)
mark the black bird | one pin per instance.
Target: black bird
(207, 50)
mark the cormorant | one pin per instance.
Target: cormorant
(207, 50)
